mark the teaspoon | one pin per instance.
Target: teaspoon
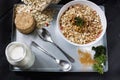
(65, 65)
(45, 35)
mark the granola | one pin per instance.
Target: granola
(89, 32)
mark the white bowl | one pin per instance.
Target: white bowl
(94, 7)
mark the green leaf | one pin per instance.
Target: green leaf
(99, 50)
(99, 68)
(100, 58)
(79, 22)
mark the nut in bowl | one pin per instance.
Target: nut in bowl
(81, 23)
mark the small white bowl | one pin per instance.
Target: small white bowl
(95, 7)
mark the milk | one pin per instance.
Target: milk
(19, 55)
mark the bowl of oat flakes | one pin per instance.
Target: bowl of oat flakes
(81, 23)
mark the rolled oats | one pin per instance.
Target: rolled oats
(39, 5)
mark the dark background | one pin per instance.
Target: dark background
(112, 8)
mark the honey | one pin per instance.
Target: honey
(85, 58)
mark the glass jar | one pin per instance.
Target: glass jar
(19, 55)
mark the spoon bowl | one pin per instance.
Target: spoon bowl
(45, 35)
(64, 65)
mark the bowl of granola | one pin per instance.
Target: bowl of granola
(81, 23)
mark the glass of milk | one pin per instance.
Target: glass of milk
(19, 55)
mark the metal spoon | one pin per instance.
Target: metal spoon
(65, 66)
(45, 35)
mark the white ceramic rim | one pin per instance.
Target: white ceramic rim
(7, 54)
(102, 17)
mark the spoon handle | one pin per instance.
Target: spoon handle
(43, 50)
(68, 56)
